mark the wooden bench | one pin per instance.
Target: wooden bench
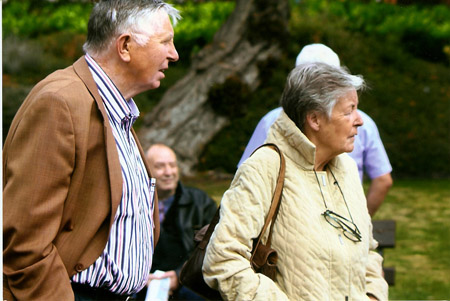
(384, 233)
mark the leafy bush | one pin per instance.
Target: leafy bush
(196, 29)
(403, 53)
(39, 37)
(397, 49)
(422, 31)
(21, 55)
(198, 25)
(409, 98)
(22, 18)
(225, 150)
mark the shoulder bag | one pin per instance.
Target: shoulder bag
(263, 259)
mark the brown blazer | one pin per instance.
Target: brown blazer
(62, 184)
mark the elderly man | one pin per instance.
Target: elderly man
(80, 217)
(182, 211)
(368, 153)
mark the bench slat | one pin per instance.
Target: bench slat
(384, 233)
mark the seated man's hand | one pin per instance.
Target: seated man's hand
(172, 275)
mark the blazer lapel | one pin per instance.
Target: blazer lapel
(115, 173)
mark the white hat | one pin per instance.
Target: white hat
(317, 53)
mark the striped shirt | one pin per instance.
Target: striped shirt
(124, 266)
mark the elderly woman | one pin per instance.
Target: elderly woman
(323, 232)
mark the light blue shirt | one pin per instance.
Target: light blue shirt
(368, 152)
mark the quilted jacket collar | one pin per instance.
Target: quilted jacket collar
(295, 144)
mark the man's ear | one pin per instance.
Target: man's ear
(123, 46)
(313, 121)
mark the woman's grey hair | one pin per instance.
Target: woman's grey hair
(316, 87)
(111, 18)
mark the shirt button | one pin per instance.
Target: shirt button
(79, 267)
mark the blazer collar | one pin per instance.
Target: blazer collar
(115, 175)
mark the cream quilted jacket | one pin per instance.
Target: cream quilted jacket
(316, 261)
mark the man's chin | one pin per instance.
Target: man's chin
(154, 85)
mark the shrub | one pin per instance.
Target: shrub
(403, 52)
(22, 55)
(41, 37)
(198, 25)
(22, 18)
(226, 148)
(423, 31)
(409, 97)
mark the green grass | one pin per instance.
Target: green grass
(421, 257)
(214, 186)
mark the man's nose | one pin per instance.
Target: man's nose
(167, 170)
(173, 54)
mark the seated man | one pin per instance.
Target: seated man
(183, 210)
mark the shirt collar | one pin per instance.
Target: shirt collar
(113, 100)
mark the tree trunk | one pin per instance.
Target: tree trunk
(184, 119)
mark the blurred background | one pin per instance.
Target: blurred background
(402, 48)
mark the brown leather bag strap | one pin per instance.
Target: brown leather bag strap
(276, 200)
(212, 225)
(272, 215)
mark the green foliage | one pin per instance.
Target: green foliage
(382, 19)
(409, 95)
(268, 25)
(422, 31)
(196, 29)
(198, 25)
(228, 99)
(41, 37)
(23, 19)
(225, 150)
(402, 51)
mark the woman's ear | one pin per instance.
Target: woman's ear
(123, 47)
(313, 121)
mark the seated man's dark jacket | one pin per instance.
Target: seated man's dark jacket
(189, 212)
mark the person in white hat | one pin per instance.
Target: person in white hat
(368, 152)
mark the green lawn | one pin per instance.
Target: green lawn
(422, 253)
(421, 257)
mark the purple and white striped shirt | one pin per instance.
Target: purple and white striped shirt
(124, 266)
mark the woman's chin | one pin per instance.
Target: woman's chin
(349, 148)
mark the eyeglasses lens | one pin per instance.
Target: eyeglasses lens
(350, 230)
